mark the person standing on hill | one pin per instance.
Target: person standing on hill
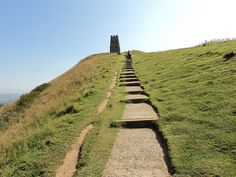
(129, 54)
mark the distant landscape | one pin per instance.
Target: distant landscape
(8, 97)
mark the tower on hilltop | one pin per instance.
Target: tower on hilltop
(114, 44)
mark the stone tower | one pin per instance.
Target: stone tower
(114, 44)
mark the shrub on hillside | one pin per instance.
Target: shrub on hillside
(87, 93)
(41, 87)
(24, 102)
(68, 110)
(27, 99)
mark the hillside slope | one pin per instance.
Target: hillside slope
(37, 130)
(195, 92)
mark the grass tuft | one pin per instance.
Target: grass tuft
(68, 110)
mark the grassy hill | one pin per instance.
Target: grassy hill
(38, 129)
(193, 88)
(195, 92)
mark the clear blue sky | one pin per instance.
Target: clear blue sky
(41, 39)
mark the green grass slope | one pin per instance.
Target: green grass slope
(99, 142)
(37, 130)
(195, 92)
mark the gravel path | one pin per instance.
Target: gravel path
(136, 153)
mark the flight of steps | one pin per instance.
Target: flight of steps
(137, 151)
(137, 110)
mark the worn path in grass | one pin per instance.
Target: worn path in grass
(137, 151)
(68, 168)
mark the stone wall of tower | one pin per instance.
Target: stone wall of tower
(115, 44)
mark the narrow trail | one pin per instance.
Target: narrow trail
(137, 150)
(103, 105)
(68, 168)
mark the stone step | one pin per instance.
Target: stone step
(127, 73)
(144, 123)
(134, 89)
(128, 76)
(127, 65)
(139, 112)
(131, 68)
(128, 70)
(133, 83)
(129, 80)
(136, 98)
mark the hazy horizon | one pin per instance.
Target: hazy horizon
(42, 39)
(7, 98)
